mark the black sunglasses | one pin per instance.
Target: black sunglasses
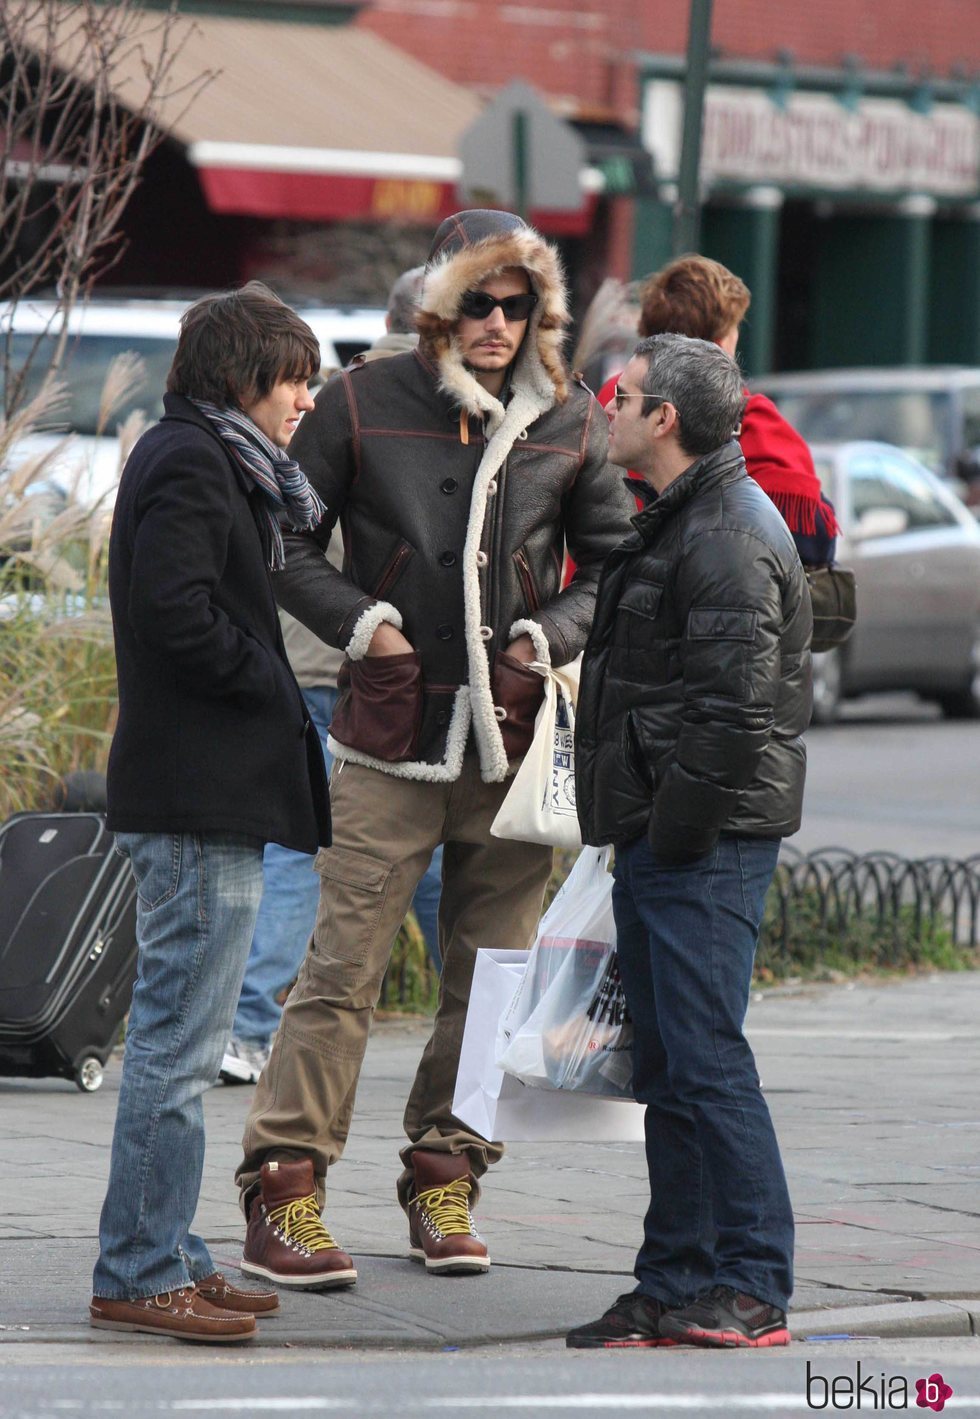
(478, 305)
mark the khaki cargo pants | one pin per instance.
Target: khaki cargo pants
(384, 832)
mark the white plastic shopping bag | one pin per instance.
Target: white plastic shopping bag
(540, 803)
(498, 1106)
(568, 1026)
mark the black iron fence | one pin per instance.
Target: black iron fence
(827, 907)
(912, 899)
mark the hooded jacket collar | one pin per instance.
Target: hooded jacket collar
(714, 468)
(468, 249)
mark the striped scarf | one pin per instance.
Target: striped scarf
(280, 477)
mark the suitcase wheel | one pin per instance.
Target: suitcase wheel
(88, 1074)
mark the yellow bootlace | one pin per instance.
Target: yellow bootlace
(448, 1207)
(300, 1222)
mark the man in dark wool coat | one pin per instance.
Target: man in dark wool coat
(457, 471)
(213, 757)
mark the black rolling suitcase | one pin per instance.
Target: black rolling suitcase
(67, 945)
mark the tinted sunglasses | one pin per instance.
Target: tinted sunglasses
(478, 305)
(621, 395)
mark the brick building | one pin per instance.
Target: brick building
(841, 166)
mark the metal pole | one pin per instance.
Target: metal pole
(687, 214)
(520, 163)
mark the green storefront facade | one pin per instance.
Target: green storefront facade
(848, 202)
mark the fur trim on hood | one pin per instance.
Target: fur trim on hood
(472, 247)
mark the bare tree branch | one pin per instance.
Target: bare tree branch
(87, 92)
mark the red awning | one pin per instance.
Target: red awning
(311, 122)
(327, 197)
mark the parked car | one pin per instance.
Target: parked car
(932, 412)
(103, 328)
(915, 551)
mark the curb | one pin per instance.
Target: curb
(926, 1319)
(910, 1319)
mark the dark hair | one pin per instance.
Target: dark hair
(234, 347)
(693, 296)
(701, 381)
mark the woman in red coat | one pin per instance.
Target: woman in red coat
(701, 298)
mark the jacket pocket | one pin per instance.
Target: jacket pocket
(517, 695)
(400, 558)
(379, 710)
(522, 562)
(642, 598)
(634, 753)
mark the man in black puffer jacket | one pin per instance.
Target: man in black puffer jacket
(695, 694)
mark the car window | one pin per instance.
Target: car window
(86, 364)
(971, 417)
(824, 468)
(912, 419)
(887, 480)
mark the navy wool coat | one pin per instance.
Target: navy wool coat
(213, 735)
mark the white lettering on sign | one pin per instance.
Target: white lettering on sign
(881, 145)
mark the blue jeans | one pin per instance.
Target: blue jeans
(291, 891)
(719, 1212)
(198, 897)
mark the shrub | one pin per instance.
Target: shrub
(57, 668)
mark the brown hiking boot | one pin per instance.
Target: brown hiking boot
(220, 1292)
(441, 1231)
(183, 1315)
(286, 1240)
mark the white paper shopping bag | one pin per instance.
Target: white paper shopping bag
(498, 1106)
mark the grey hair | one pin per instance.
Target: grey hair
(403, 301)
(703, 383)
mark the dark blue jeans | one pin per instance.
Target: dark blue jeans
(719, 1212)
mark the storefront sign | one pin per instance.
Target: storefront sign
(812, 140)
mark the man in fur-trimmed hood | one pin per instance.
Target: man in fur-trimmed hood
(457, 472)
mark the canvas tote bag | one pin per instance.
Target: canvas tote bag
(540, 804)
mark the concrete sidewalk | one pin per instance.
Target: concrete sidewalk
(874, 1092)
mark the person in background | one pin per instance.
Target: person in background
(290, 887)
(213, 757)
(700, 298)
(689, 757)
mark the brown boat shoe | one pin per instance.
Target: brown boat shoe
(217, 1289)
(181, 1315)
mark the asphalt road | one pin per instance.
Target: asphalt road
(503, 1382)
(893, 776)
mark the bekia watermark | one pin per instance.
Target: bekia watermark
(874, 1391)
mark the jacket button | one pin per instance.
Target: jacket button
(491, 489)
(442, 717)
(444, 633)
(447, 559)
(499, 712)
(486, 632)
(482, 559)
(448, 485)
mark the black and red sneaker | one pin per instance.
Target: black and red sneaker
(726, 1318)
(632, 1320)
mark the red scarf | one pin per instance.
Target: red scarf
(778, 458)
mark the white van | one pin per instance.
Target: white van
(103, 328)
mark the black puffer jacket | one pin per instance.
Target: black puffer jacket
(696, 681)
